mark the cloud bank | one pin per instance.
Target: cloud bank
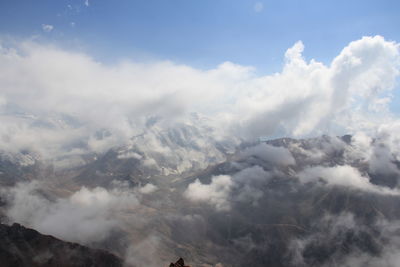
(88, 215)
(345, 176)
(58, 101)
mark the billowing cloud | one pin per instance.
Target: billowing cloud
(56, 102)
(216, 193)
(345, 175)
(245, 185)
(378, 152)
(148, 189)
(249, 182)
(88, 215)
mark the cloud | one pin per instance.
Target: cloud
(384, 153)
(252, 175)
(88, 215)
(360, 148)
(345, 176)
(327, 95)
(248, 184)
(245, 186)
(278, 156)
(258, 7)
(47, 27)
(145, 252)
(216, 193)
(87, 3)
(59, 100)
(148, 189)
(333, 230)
(330, 231)
(377, 153)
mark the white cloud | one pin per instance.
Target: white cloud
(216, 193)
(380, 153)
(345, 176)
(47, 27)
(84, 96)
(86, 2)
(360, 148)
(258, 7)
(243, 186)
(86, 216)
(148, 189)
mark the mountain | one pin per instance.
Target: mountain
(20, 246)
(323, 201)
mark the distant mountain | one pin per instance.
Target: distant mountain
(324, 201)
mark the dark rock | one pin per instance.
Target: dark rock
(20, 246)
(179, 263)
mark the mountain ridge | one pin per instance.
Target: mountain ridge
(21, 246)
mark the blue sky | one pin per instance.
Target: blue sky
(202, 33)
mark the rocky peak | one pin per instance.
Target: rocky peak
(179, 263)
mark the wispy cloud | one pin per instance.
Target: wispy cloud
(47, 27)
(86, 2)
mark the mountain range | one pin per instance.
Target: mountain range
(325, 201)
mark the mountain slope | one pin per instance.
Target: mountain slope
(20, 246)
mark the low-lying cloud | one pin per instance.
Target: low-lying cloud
(88, 215)
(346, 176)
(279, 156)
(216, 193)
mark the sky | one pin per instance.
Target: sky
(201, 33)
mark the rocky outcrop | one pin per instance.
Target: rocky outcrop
(179, 263)
(20, 246)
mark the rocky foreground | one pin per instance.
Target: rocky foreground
(20, 246)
